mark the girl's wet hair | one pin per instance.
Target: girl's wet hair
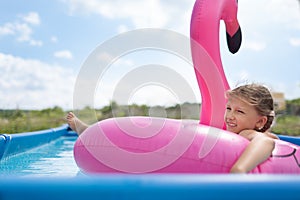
(258, 96)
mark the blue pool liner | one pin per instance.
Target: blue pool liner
(11, 144)
(291, 139)
(138, 186)
(154, 186)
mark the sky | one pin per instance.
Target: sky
(44, 45)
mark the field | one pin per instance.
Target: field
(19, 121)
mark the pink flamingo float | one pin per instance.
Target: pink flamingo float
(160, 145)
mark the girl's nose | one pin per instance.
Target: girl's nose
(229, 115)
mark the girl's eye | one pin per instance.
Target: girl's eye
(228, 108)
(240, 111)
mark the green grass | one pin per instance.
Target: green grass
(19, 121)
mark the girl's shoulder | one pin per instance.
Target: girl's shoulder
(248, 134)
(272, 135)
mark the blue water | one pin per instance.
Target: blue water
(55, 159)
(52, 159)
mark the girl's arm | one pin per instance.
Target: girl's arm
(259, 150)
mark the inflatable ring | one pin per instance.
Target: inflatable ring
(159, 145)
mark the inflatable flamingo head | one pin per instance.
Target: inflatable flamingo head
(205, 45)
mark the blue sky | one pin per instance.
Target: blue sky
(43, 45)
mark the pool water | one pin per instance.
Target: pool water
(30, 174)
(52, 159)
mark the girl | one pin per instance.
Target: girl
(250, 113)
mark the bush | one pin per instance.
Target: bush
(287, 125)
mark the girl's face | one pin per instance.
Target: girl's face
(241, 116)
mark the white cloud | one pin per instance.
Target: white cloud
(122, 29)
(142, 14)
(36, 42)
(295, 42)
(7, 29)
(262, 20)
(54, 39)
(153, 93)
(176, 14)
(32, 84)
(262, 12)
(148, 95)
(32, 18)
(22, 30)
(63, 54)
(284, 12)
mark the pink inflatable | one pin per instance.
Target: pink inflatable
(160, 145)
(212, 82)
(168, 146)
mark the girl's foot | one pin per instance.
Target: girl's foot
(76, 124)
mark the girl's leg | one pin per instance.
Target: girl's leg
(76, 124)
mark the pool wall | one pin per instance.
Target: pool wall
(291, 139)
(130, 186)
(11, 144)
(154, 186)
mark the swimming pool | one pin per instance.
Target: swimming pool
(38, 154)
(40, 165)
(50, 160)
